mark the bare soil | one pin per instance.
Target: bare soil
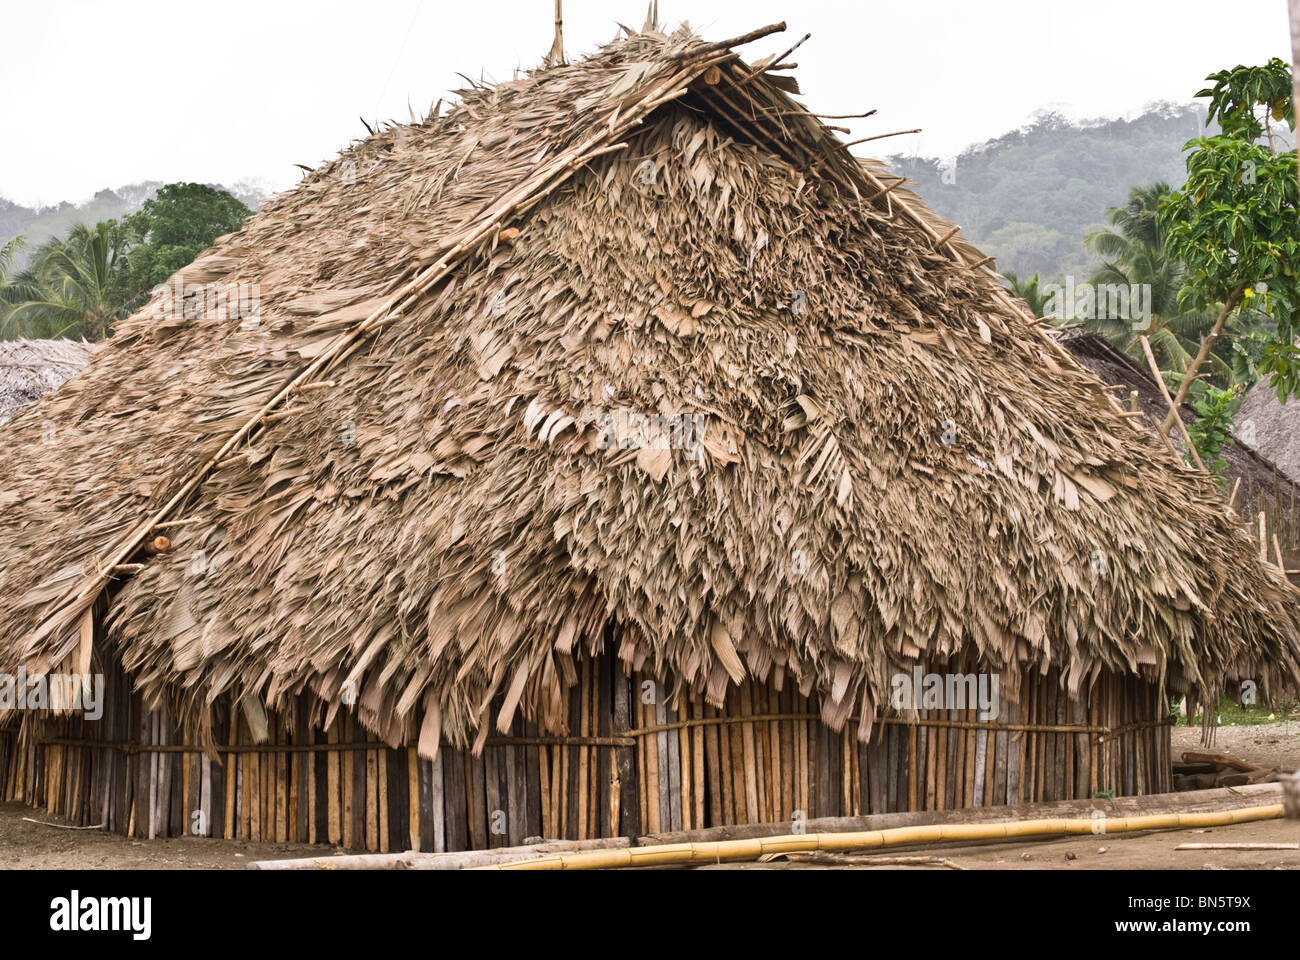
(49, 844)
(1264, 744)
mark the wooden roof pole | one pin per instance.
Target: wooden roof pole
(556, 55)
(1295, 54)
(1164, 392)
(694, 52)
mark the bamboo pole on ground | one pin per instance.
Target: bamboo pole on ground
(753, 848)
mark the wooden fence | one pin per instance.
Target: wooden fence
(633, 762)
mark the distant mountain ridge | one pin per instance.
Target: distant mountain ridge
(1029, 197)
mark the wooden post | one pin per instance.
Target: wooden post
(1173, 409)
(556, 56)
(629, 804)
(1295, 50)
(1231, 304)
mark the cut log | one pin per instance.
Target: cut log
(1220, 761)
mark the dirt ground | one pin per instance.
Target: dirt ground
(28, 845)
(1264, 744)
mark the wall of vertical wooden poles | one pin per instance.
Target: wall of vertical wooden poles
(632, 762)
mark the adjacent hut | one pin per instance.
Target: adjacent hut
(32, 368)
(1255, 485)
(601, 457)
(1271, 428)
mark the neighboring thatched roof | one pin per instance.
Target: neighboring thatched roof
(1115, 368)
(893, 462)
(1275, 427)
(32, 368)
(1252, 481)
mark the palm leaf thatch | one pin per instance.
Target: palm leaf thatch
(32, 368)
(397, 481)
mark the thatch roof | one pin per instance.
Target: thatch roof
(894, 462)
(32, 368)
(1274, 426)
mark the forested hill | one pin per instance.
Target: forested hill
(38, 225)
(1029, 197)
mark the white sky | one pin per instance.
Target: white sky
(99, 94)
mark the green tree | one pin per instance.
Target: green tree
(1235, 224)
(1135, 257)
(1247, 101)
(1213, 427)
(79, 285)
(174, 227)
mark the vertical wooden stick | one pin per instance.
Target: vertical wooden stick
(698, 757)
(557, 48)
(332, 780)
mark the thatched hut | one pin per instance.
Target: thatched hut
(32, 368)
(603, 456)
(1271, 428)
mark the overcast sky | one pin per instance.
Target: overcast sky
(100, 93)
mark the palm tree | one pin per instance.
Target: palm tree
(9, 289)
(1135, 256)
(73, 287)
(13, 288)
(1027, 290)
